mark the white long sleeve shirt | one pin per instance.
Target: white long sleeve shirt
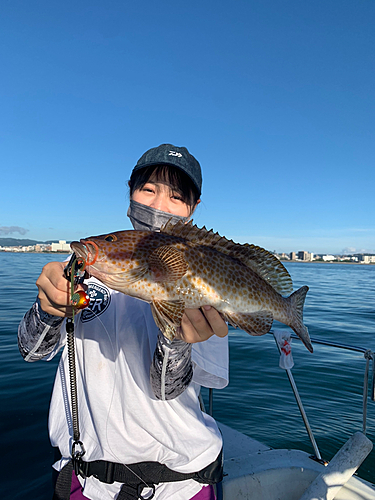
(121, 420)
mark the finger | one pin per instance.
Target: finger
(216, 322)
(195, 327)
(54, 273)
(57, 290)
(54, 309)
(54, 303)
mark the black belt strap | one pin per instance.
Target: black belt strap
(63, 484)
(134, 477)
(150, 472)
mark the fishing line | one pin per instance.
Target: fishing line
(110, 406)
(75, 296)
(110, 449)
(80, 300)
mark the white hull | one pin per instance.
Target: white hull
(254, 471)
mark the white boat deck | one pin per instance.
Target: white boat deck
(237, 445)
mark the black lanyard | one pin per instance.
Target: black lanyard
(74, 272)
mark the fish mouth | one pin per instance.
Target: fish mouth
(92, 251)
(87, 250)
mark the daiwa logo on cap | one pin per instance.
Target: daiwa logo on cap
(100, 299)
(174, 153)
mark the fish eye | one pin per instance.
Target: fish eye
(110, 237)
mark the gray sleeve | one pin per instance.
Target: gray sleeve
(38, 333)
(171, 369)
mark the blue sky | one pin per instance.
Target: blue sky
(275, 98)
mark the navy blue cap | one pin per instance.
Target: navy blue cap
(167, 154)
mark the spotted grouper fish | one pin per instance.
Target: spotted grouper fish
(184, 266)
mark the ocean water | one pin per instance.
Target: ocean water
(340, 307)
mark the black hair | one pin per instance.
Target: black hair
(170, 174)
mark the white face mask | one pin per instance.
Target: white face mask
(145, 218)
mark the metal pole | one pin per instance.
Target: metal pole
(210, 401)
(365, 391)
(301, 409)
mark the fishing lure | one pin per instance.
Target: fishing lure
(75, 273)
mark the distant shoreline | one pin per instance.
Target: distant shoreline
(329, 262)
(61, 252)
(33, 251)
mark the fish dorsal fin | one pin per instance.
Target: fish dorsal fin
(262, 262)
(266, 265)
(191, 232)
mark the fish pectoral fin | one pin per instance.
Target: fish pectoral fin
(168, 315)
(167, 264)
(257, 323)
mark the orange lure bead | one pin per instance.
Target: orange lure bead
(80, 299)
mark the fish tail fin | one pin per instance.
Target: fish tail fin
(297, 301)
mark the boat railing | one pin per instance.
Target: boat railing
(369, 356)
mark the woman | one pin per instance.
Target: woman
(137, 391)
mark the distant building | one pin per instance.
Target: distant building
(367, 259)
(292, 255)
(328, 258)
(306, 256)
(61, 246)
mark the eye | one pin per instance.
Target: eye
(177, 196)
(111, 237)
(148, 188)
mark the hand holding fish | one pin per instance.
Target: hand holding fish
(54, 290)
(198, 325)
